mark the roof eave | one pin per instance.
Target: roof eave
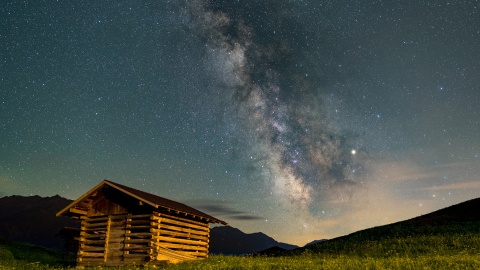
(95, 188)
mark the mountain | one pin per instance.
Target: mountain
(231, 241)
(271, 252)
(32, 219)
(315, 242)
(451, 229)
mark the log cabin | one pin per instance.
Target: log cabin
(120, 225)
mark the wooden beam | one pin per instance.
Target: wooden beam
(78, 211)
(181, 241)
(204, 224)
(180, 246)
(180, 229)
(187, 224)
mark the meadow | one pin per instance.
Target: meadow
(443, 247)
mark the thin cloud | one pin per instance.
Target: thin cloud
(455, 186)
(223, 208)
(246, 217)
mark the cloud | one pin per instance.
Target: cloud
(455, 186)
(411, 170)
(223, 208)
(246, 217)
(400, 171)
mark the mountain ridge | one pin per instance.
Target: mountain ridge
(232, 241)
(32, 219)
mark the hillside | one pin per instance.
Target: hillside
(449, 230)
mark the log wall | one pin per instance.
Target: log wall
(187, 238)
(141, 239)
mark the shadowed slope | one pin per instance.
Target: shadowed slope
(452, 230)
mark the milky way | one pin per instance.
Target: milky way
(258, 53)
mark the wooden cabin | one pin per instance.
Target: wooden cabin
(121, 225)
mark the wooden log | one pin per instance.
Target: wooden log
(91, 236)
(91, 242)
(100, 224)
(163, 220)
(180, 234)
(99, 229)
(92, 249)
(196, 254)
(131, 227)
(204, 224)
(181, 229)
(180, 246)
(90, 260)
(136, 222)
(142, 216)
(78, 211)
(137, 241)
(138, 234)
(173, 255)
(90, 254)
(117, 217)
(179, 240)
(94, 219)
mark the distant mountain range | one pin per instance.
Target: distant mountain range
(32, 220)
(231, 241)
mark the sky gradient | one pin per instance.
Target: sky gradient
(300, 119)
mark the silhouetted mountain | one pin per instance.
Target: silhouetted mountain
(32, 219)
(231, 241)
(315, 242)
(273, 251)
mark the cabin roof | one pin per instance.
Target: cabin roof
(148, 198)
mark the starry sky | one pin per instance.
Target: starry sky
(300, 119)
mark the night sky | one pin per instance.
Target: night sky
(300, 119)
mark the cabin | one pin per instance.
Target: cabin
(120, 225)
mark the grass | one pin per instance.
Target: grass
(315, 261)
(305, 261)
(15, 255)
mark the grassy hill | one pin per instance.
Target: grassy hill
(449, 231)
